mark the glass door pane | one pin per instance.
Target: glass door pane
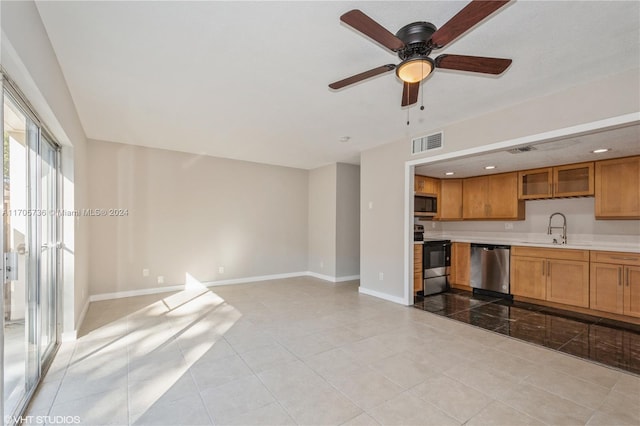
(16, 239)
(48, 255)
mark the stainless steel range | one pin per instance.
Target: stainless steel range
(436, 263)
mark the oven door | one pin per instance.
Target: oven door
(436, 255)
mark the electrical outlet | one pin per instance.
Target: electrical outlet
(145, 272)
(381, 276)
(221, 269)
(508, 225)
(160, 279)
(433, 225)
(370, 205)
(321, 264)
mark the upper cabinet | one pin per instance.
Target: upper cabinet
(450, 201)
(492, 197)
(573, 180)
(614, 183)
(617, 188)
(427, 185)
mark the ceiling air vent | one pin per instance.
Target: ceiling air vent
(521, 149)
(426, 143)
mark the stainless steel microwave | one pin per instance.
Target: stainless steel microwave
(425, 205)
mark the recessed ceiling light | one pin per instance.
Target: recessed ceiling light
(345, 138)
(449, 174)
(601, 150)
(489, 167)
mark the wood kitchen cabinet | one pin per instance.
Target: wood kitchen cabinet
(571, 180)
(492, 197)
(460, 264)
(615, 282)
(555, 275)
(426, 185)
(527, 278)
(617, 188)
(450, 201)
(417, 268)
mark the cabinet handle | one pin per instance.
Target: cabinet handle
(620, 276)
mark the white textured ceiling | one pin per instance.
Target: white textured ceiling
(248, 80)
(622, 141)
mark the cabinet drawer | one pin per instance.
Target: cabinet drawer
(563, 254)
(619, 258)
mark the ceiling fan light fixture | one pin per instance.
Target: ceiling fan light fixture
(414, 70)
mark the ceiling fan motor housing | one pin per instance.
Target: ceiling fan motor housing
(416, 37)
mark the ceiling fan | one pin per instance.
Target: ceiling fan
(414, 42)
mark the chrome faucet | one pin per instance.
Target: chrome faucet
(564, 228)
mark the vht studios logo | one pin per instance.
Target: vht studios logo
(41, 420)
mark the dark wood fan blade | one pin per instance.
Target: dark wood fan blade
(410, 93)
(367, 26)
(472, 13)
(362, 76)
(473, 63)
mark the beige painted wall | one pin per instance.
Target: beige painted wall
(347, 220)
(382, 168)
(190, 214)
(334, 221)
(322, 220)
(28, 57)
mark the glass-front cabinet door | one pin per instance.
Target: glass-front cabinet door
(30, 254)
(573, 180)
(533, 184)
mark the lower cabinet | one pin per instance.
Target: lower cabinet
(555, 275)
(460, 264)
(527, 278)
(568, 282)
(615, 283)
(417, 268)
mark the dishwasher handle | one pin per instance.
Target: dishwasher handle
(491, 246)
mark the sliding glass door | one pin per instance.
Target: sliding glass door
(48, 231)
(16, 237)
(29, 239)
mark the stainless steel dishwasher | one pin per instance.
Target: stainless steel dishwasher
(490, 267)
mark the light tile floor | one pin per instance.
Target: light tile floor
(301, 351)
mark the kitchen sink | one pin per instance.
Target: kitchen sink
(556, 244)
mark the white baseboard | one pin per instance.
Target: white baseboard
(85, 308)
(332, 279)
(132, 293)
(254, 279)
(69, 336)
(381, 295)
(259, 278)
(347, 278)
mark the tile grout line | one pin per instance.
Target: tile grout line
(261, 381)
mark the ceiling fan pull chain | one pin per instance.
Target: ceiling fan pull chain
(422, 90)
